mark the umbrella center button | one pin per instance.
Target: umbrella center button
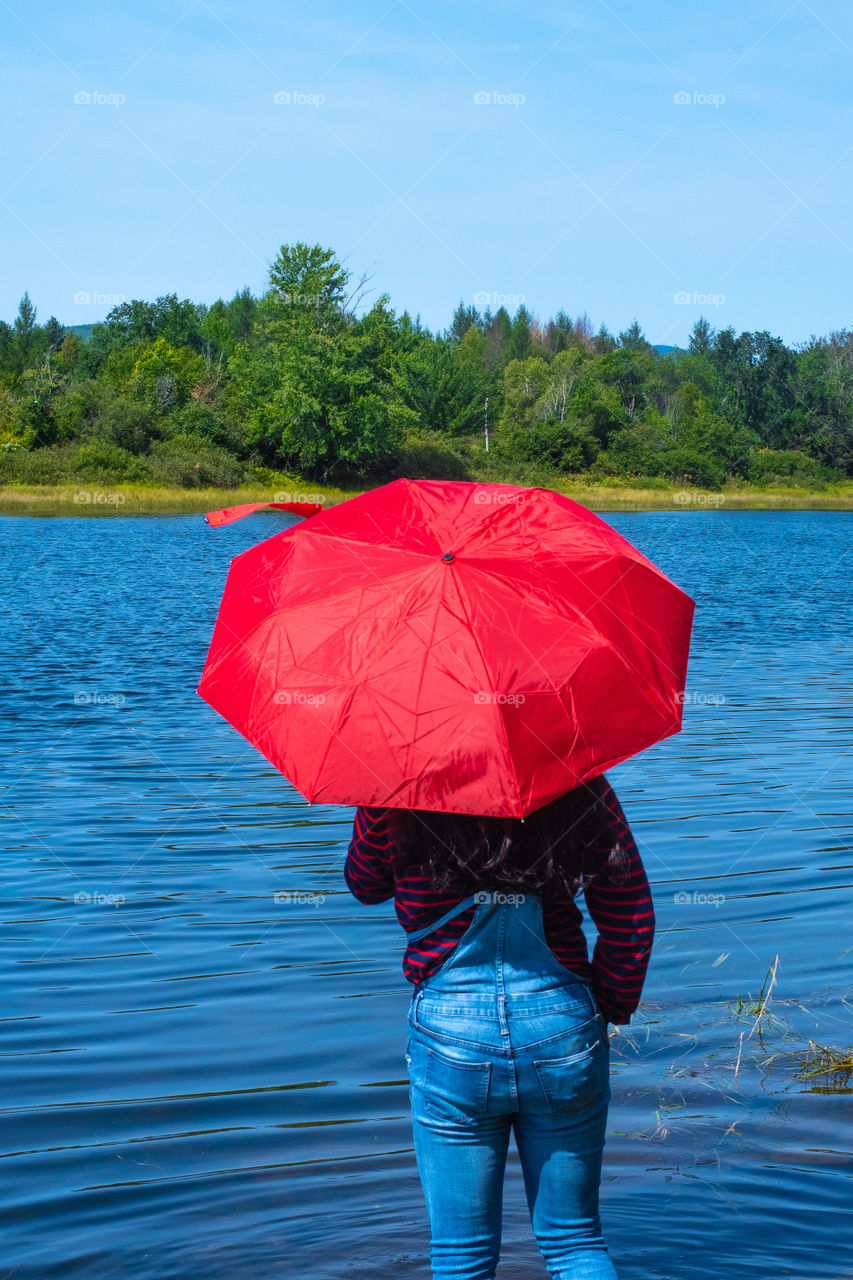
(448, 556)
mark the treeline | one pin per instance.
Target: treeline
(308, 381)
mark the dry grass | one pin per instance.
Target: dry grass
(600, 498)
(129, 500)
(108, 499)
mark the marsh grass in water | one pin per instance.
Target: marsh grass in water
(768, 1050)
(710, 1089)
(779, 1045)
(820, 1062)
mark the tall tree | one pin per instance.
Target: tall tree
(633, 338)
(560, 334)
(499, 340)
(463, 318)
(240, 313)
(701, 337)
(603, 341)
(307, 284)
(26, 335)
(520, 341)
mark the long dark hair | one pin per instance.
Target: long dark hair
(553, 852)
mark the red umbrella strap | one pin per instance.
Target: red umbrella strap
(227, 514)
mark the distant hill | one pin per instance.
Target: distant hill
(664, 350)
(83, 331)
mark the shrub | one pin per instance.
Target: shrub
(428, 456)
(192, 462)
(786, 467)
(632, 452)
(127, 423)
(104, 462)
(606, 467)
(273, 479)
(561, 445)
(690, 467)
(36, 466)
(196, 419)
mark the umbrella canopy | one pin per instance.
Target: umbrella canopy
(475, 648)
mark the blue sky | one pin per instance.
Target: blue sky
(659, 161)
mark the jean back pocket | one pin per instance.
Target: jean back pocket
(452, 1088)
(577, 1082)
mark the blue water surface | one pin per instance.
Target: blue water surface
(203, 1080)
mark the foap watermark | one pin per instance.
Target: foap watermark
(85, 98)
(482, 298)
(494, 98)
(295, 98)
(488, 497)
(685, 98)
(487, 895)
(95, 498)
(290, 898)
(98, 698)
(85, 297)
(684, 297)
(484, 696)
(298, 698)
(82, 898)
(682, 898)
(298, 299)
(297, 495)
(700, 699)
(697, 498)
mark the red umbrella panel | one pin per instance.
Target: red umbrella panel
(448, 645)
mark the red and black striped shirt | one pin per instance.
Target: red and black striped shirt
(622, 912)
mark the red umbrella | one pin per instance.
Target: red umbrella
(478, 648)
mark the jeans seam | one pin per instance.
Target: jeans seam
(444, 1037)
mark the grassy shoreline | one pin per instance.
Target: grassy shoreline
(68, 499)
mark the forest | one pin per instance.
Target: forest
(309, 381)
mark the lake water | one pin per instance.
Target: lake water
(201, 1082)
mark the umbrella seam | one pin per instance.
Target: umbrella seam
(463, 600)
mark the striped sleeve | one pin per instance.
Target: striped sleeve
(621, 908)
(369, 870)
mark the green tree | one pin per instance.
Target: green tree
(321, 389)
(628, 370)
(633, 339)
(177, 321)
(464, 317)
(603, 341)
(307, 287)
(560, 333)
(701, 337)
(165, 375)
(520, 340)
(25, 338)
(523, 386)
(822, 417)
(444, 383)
(241, 313)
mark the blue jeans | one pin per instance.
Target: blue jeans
(502, 1037)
